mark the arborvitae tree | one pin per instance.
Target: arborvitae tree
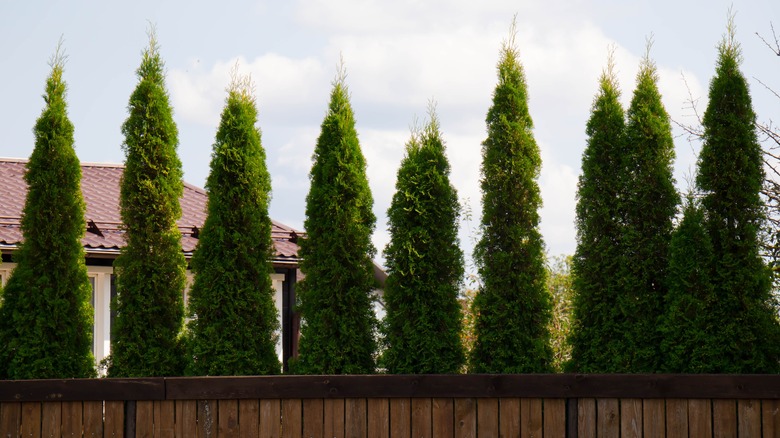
(596, 320)
(650, 205)
(730, 176)
(46, 317)
(234, 323)
(424, 263)
(335, 302)
(150, 270)
(687, 344)
(513, 305)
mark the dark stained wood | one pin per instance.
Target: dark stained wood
(487, 417)
(676, 418)
(333, 410)
(465, 418)
(83, 389)
(313, 418)
(379, 417)
(10, 418)
(186, 418)
(554, 418)
(586, 418)
(572, 417)
(227, 422)
(292, 415)
(400, 418)
(93, 418)
(607, 418)
(654, 417)
(31, 420)
(355, 418)
(422, 426)
(749, 417)
(207, 418)
(443, 417)
(144, 418)
(631, 418)
(724, 418)
(51, 419)
(509, 417)
(700, 417)
(129, 419)
(72, 418)
(249, 418)
(270, 417)
(770, 417)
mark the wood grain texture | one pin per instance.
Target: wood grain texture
(207, 418)
(270, 417)
(422, 425)
(186, 418)
(355, 418)
(607, 418)
(10, 418)
(51, 421)
(400, 418)
(443, 417)
(93, 418)
(227, 418)
(249, 418)
(487, 417)
(749, 417)
(465, 418)
(676, 418)
(654, 417)
(73, 419)
(509, 417)
(313, 418)
(586, 418)
(724, 418)
(631, 418)
(554, 417)
(770, 417)
(699, 417)
(292, 410)
(31, 420)
(334, 417)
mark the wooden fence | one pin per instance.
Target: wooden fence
(560, 405)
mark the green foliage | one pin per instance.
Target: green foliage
(650, 202)
(150, 271)
(513, 305)
(234, 323)
(559, 285)
(46, 316)
(338, 323)
(424, 263)
(596, 321)
(730, 177)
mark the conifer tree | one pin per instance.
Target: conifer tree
(596, 321)
(424, 263)
(513, 305)
(150, 270)
(650, 205)
(46, 316)
(730, 177)
(234, 322)
(338, 323)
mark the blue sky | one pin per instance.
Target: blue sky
(398, 56)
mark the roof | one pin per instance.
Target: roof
(100, 187)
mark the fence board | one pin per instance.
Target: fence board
(93, 418)
(509, 417)
(700, 417)
(72, 418)
(586, 418)
(379, 417)
(144, 418)
(607, 418)
(749, 417)
(422, 426)
(531, 417)
(186, 412)
(249, 418)
(51, 424)
(291, 418)
(31, 419)
(554, 417)
(465, 418)
(313, 423)
(443, 417)
(334, 417)
(270, 416)
(207, 418)
(400, 417)
(676, 418)
(724, 418)
(770, 417)
(653, 417)
(355, 418)
(631, 418)
(227, 418)
(10, 418)
(487, 417)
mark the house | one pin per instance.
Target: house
(104, 239)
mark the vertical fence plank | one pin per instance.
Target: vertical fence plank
(653, 417)
(270, 417)
(676, 418)
(770, 417)
(313, 418)
(607, 417)
(586, 418)
(227, 418)
(379, 417)
(334, 417)
(465, 418)
(531, 411)
(443, 417)
(749, 417)
(164, 419)
(421, 418)
(699, 417)
(724, 418)
(510, 417)
(400, 418)
(51, 423)
(554, 413)
(31, 420)
(207, 418)
(93, 419)
(72, 418)
(10, 418)
(355, 418)
(291, 418)
(186, 412)
(144, 418)
(248, 418)
(487, 417)
(631, 418)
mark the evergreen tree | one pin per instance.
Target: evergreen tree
(150, 270)
(232, 263)
(730, 176)
(596, 321)
(513, 305)
(650, 205)
(46, 316)
(335, 303)
(424, 262)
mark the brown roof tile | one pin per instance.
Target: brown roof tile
(100, 187)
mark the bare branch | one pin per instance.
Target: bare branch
(776, 47)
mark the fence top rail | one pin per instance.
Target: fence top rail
(726, 386)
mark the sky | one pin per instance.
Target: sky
(399, 55)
